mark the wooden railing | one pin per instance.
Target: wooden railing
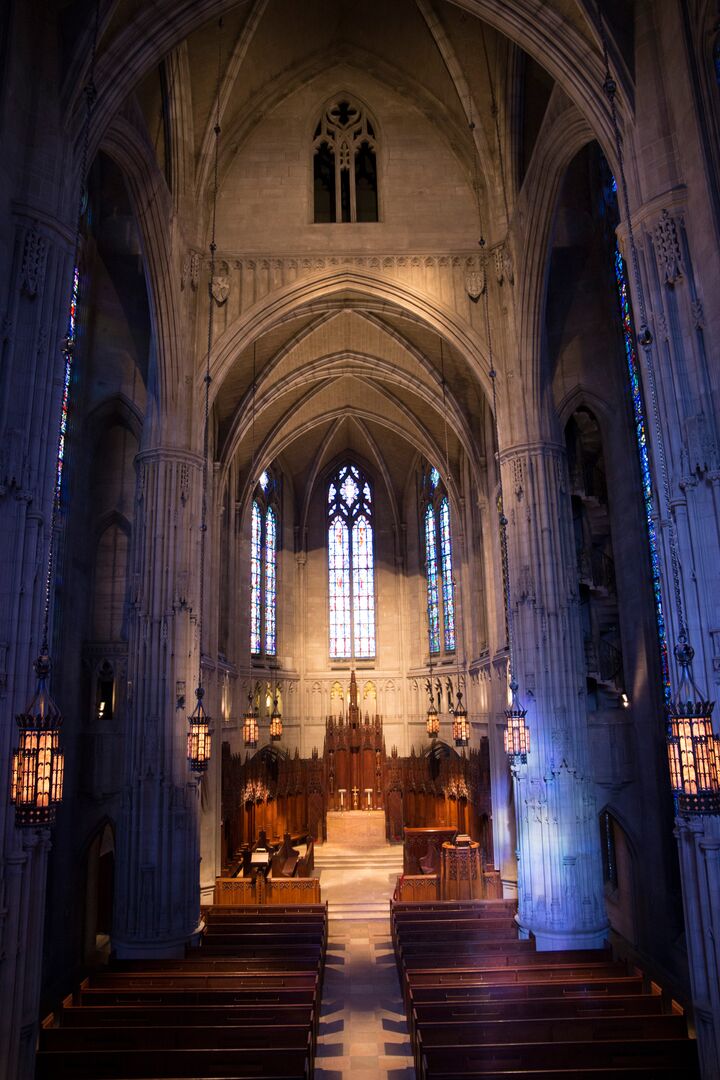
(249, 892)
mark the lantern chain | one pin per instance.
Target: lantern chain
(683, 650)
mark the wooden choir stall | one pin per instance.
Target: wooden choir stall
(282, 802)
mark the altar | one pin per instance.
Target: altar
(356, 828)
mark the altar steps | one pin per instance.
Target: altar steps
(358, 881)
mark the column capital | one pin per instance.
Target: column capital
(157, 454)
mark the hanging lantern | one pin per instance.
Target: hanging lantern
(433, 721)
(199, 736)
(38, 764)
(693, 747)
(461, 726)
(250, 726)
(517, 735)
(276, 725)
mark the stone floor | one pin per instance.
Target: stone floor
(362, 1022)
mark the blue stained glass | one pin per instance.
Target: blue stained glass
(646, 476)
(264, 480)
(255, 578)
(339, 581)
(363, 589)
(69, 350)
(448, 587)
(270, 580)
(434, 478)
(431, 563)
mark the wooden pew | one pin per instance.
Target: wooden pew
(95, 1016)
(512, 990)
(461, 1032)
(218, 1036)
(175, 1064)
(526, 1058)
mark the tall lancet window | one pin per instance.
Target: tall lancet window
(351, 569)
(263, 567)
(345, 164)
(438, 563)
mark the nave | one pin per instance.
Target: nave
(384, 988)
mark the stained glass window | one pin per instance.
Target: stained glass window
(263, 569)
(448, 587)
(431, 570)
(270, 580)
(643, 449)
(351, 570)
(69, 351)
(255, 578)
(438, 562)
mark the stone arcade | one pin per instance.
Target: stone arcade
(361, 331)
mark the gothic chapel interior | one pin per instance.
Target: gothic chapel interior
(358, 361)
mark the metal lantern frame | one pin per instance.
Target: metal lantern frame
(460, 724)
(251, 728)
(199, 739)
(276, 724)
(38, 763)
(516, 736)
(432, 724)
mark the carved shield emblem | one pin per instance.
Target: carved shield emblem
(220, 289)
(475, 284)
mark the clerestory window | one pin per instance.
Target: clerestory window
(263, 567)
(345, 164)
(438, 563)
(351, 571)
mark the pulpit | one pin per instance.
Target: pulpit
(461, 872)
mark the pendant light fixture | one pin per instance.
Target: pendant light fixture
(199, 739)
(276, 724)
(693, 748)
(38, 763)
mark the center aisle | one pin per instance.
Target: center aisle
(362, 1021)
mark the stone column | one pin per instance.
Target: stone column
(560, 885)
(31, 379)
(157, 884)
(699, 849)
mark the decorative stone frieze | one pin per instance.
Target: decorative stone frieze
(667, 247)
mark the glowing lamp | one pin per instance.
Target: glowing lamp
(693, 748)
(433, 721)
(693, 756)
(250, 726)
(461, 726)
(38, 764)
(276, 724)
(517, 735)
(199, 740)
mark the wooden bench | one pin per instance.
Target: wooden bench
(218, 1036)
(94, 1016)
(528, 1057)
(518, 991)
(157, 1064)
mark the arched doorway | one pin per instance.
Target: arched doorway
(100, 881)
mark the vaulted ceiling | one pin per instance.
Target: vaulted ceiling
(482, 72)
